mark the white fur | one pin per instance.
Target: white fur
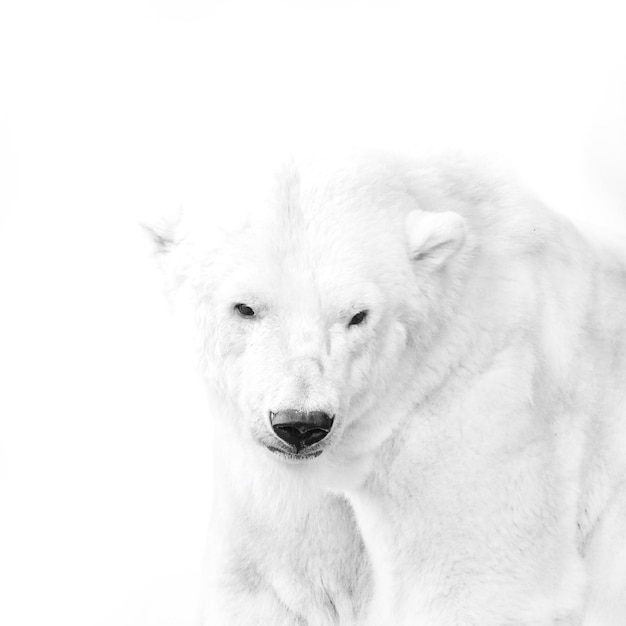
(476, 470)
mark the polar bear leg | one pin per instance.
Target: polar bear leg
(258, 609)
(606, 558)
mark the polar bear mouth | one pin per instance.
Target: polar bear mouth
(294, 456)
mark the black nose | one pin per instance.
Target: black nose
(301, 428)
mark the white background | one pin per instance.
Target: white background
(119, 111)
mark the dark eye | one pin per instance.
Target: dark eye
(359, 318)
(244, 310)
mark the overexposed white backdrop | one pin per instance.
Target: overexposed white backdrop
(119, 112)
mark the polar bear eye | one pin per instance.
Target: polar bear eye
(359, 318)
(244, 310)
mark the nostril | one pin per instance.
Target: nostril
(290, 434)
(315, 435)
(300, 428)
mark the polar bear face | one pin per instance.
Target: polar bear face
(306, 315)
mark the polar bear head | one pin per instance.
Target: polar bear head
(311, 315)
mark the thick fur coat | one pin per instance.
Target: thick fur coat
(475, 472)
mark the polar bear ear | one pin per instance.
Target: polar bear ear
(163, 234)
(434, 237)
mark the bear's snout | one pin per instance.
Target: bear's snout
(301, 429)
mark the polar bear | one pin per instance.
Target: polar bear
(419, 379)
